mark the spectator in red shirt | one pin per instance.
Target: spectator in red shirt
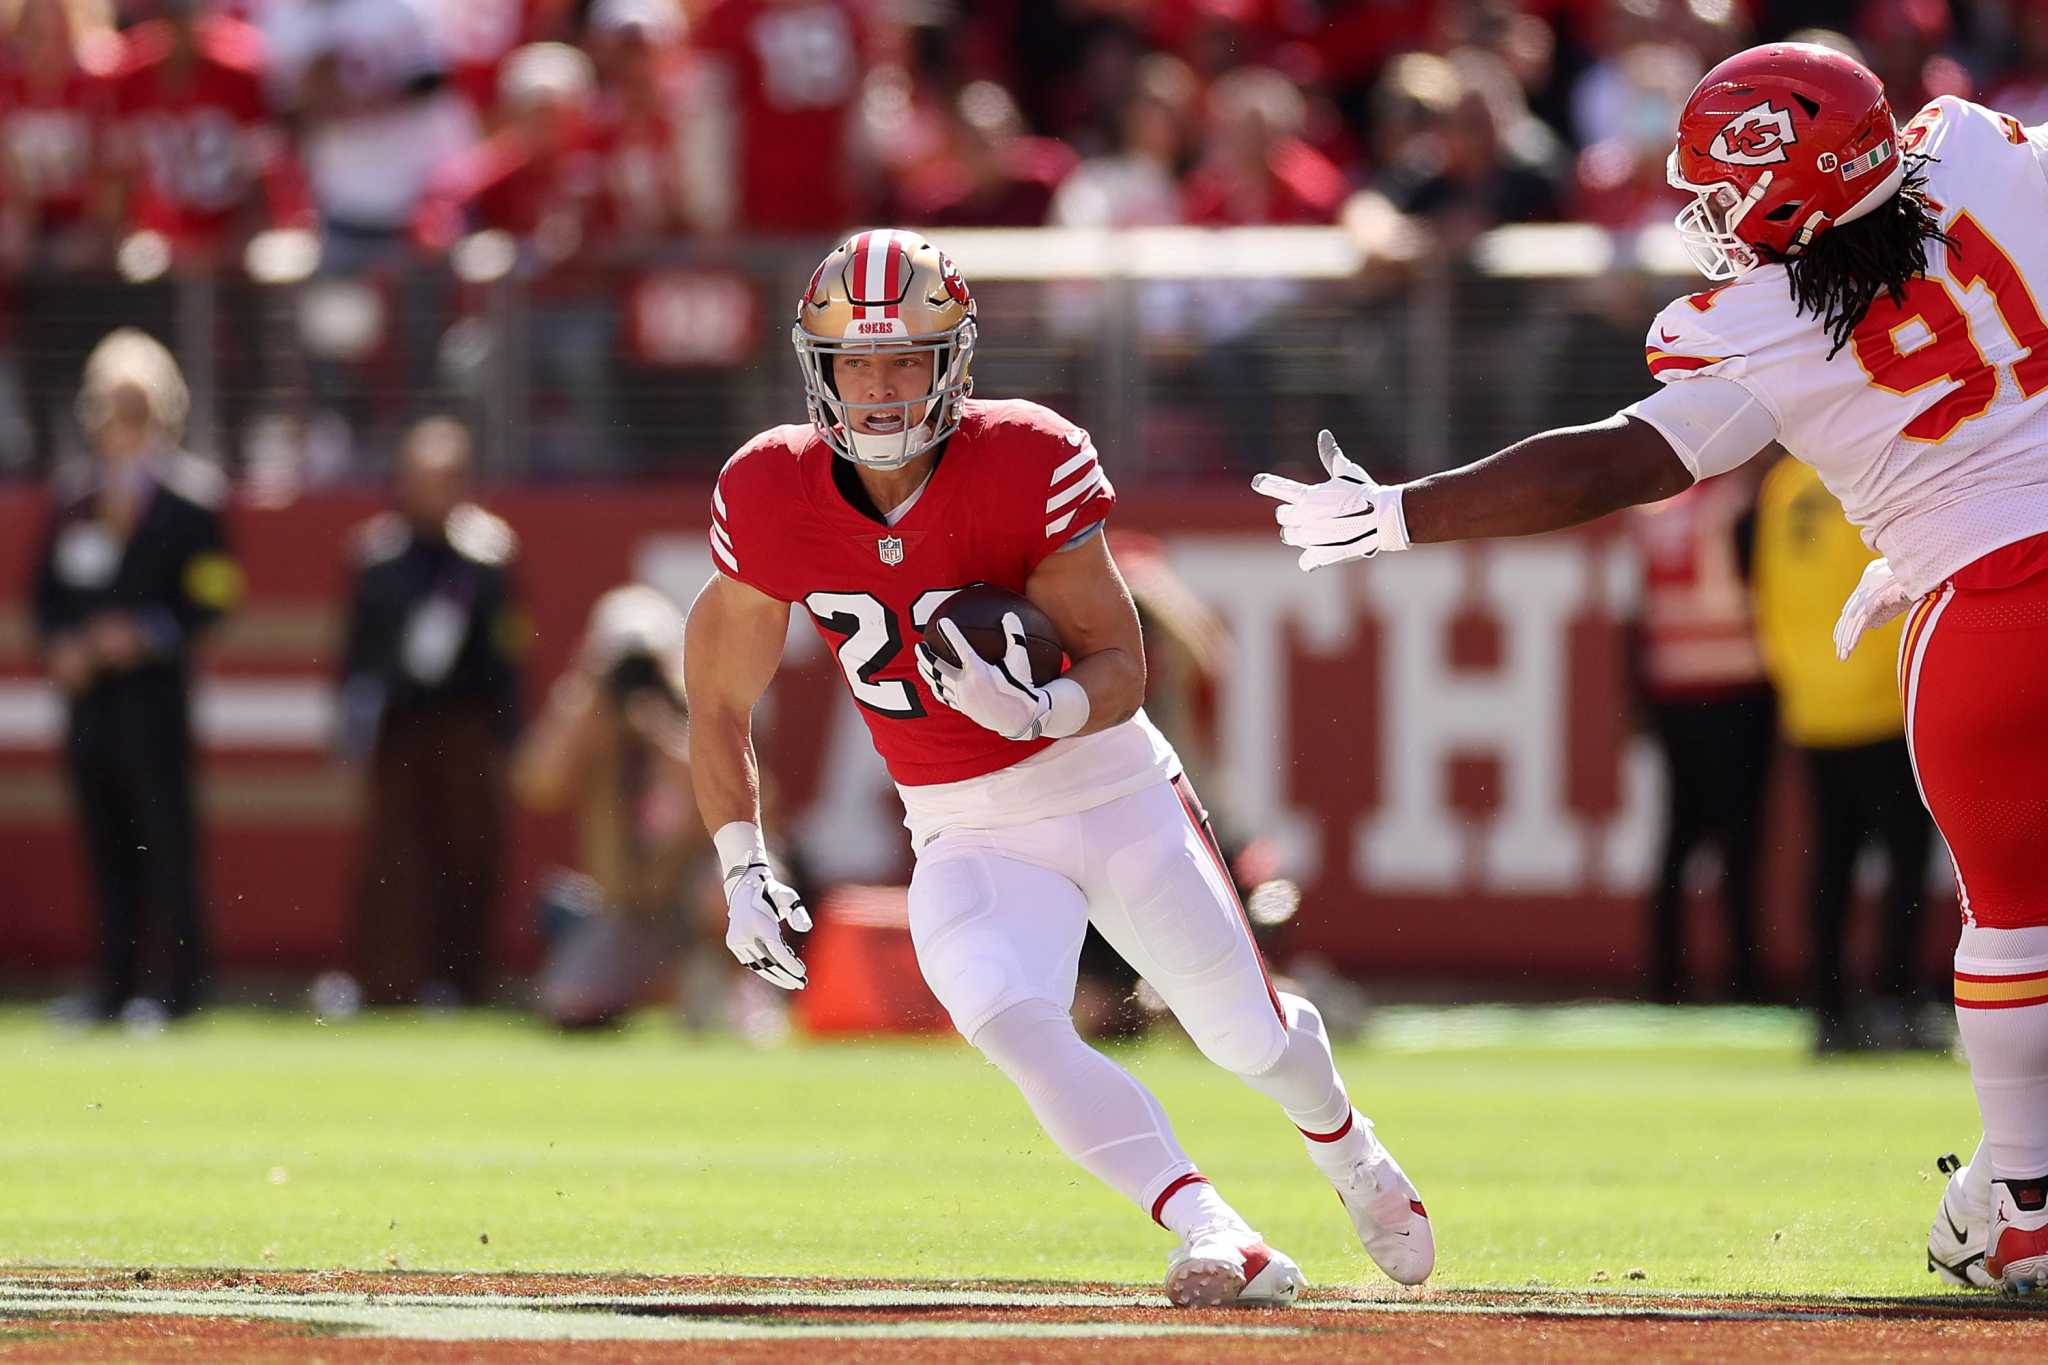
(56, 57)
(773, 88)
(198, 150)
(1257, 169)
(540, 178)
(475, 37)
(993, 174)
(1904, 41)
(2023, 91)
(55, 95)
(634, 45)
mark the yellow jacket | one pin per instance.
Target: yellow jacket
(1808, 560)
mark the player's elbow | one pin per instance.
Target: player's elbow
(1118, 688)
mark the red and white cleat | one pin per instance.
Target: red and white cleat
(1386, 1211)
(1226, 1265)
(2016, 1251)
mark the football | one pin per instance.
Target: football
(978, 613)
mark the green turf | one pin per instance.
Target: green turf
(1702, 1147)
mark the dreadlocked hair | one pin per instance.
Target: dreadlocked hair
(1843, 270)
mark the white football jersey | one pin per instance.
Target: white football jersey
(1931, 426)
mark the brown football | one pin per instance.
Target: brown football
(978, 613)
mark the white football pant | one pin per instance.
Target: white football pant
(998, 916)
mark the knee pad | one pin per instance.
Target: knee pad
(1246, 1039)
(1023, 1033)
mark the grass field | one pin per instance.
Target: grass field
(1613, 1150)
(1703, 1148)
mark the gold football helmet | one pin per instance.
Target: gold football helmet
(886, 290)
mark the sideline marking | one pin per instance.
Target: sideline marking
(469, 1317)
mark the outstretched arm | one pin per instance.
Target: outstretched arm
(1545, 483)
(1647, 452)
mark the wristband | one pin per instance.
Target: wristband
(739, 845)
(1066, 709)
(1393, 519)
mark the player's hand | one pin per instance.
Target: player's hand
(1878, 598)
(996, 697)
(756, 908)
(1347, 516)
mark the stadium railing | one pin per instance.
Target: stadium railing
(1192, 353)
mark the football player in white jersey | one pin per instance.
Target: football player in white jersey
(1879, 315)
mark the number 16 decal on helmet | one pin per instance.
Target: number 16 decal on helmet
(1774, 145)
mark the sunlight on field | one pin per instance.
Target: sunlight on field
(1555, 1147)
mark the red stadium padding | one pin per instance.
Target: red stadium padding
(1446, 734)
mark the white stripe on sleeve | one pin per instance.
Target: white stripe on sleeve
(1059, 500)
(1087, 454)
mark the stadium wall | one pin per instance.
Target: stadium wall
(1439, 744)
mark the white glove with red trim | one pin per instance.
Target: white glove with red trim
(1878, 598)
(1347, 516)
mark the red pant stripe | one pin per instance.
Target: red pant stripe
(1200, 820)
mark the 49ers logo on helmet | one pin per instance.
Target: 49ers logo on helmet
(1758, 136)
(949, 275)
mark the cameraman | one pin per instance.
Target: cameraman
(612, 747)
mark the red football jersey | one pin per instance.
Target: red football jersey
(1016, 482)
(202, 139)
(797, 69)
(50, 131)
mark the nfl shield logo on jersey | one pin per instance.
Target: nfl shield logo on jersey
(891, 549)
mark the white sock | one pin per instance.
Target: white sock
(1098, 1113)
(2007, 1044)
(1305, 1084)
(1976, 1181)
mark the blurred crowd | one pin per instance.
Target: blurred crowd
(423, 145)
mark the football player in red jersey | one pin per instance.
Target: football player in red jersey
(1033, 811)
(1919, 253)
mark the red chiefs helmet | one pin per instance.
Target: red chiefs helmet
(1775, 145)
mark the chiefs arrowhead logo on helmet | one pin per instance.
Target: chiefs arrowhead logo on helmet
(1757, 136)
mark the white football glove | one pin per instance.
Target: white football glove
(1347, 516)
(1878, 598)
(998, 697)
(756, 908)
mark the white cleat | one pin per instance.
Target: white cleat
(1955, 1244)
(2017, 1239)
(1386, 1212)
(1226, 1265)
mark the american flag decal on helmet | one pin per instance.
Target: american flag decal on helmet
(1869, 161)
